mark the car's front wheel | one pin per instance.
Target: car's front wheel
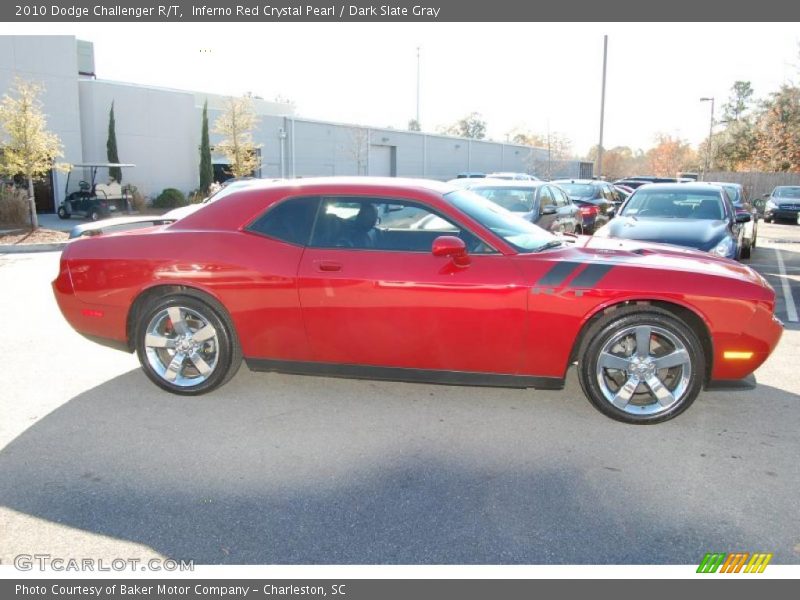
(641, 365)
(187, 346)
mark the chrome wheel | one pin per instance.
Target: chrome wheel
(644, 370)
(182, 346)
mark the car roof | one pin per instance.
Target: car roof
(681, 187)
(351, 181)
(584, 181)
(510, 183)
(719, 183)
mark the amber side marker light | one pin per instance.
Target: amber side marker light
(731, 355)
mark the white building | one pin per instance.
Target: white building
(158, 130)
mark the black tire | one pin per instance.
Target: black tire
(95, 215)
(201, 311)
(62, 213)
(745, 250)
(666, 331)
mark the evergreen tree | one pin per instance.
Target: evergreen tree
(206, 169)
(111, 147)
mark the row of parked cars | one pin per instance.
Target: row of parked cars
(710, 216)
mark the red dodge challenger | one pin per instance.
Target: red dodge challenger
(415, 281)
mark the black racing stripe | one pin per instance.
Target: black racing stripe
(590, 276)
(556, 276)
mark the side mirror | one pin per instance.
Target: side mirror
(549, 210)
(452, 247)
(743, 217)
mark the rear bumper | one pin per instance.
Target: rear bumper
(101, 323)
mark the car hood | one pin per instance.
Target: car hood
(660, 256)
(702, 234)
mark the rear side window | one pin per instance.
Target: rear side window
(288, 221)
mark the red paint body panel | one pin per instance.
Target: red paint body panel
(408, 309)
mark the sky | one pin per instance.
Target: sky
(533, 76)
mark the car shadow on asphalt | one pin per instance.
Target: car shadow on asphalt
(279, 469)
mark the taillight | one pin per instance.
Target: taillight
(589, 211)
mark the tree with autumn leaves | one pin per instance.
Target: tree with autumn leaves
(762, 136)
(235, 125)
(28, 147)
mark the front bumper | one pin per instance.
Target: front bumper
(759, 339)
(782, 213)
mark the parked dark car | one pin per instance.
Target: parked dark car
(512, 176)
(782, 203)
(636, 181)
(741, 204)
(699, 216)
(539, 202)
(597, 200)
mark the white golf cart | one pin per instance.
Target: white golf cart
(87, 196)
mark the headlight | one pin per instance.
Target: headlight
(724, 248)
(771, 205)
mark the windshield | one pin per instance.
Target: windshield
(733, 193)
(675, 204)
(786, 192)
(522, 235)
(579, 190)
(518, 200)
(227, 190)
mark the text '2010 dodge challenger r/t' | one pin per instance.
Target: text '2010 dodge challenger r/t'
(348, 277)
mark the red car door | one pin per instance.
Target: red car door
(374, 294)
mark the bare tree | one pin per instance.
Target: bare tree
(472, 126)
(357, 149)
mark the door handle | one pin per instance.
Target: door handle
(328, 265)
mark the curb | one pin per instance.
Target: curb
(25, 248)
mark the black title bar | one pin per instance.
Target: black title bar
(398, 11)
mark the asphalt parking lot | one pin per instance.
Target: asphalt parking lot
(95, 461)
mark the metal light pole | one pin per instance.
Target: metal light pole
(602, 109)
(710, 133)
(418, 123)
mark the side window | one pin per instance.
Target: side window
(289, 220)
(560, 196)
(546, 197)
(380, 224)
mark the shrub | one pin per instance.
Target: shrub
(138, 201)
(14, 206)
(196, 197)
(170, 198)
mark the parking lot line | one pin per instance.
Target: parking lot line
(791, 309)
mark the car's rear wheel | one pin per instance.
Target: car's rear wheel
(187, 346)
(62, 213)
(641, 365)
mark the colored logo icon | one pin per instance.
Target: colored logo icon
(738, 562)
